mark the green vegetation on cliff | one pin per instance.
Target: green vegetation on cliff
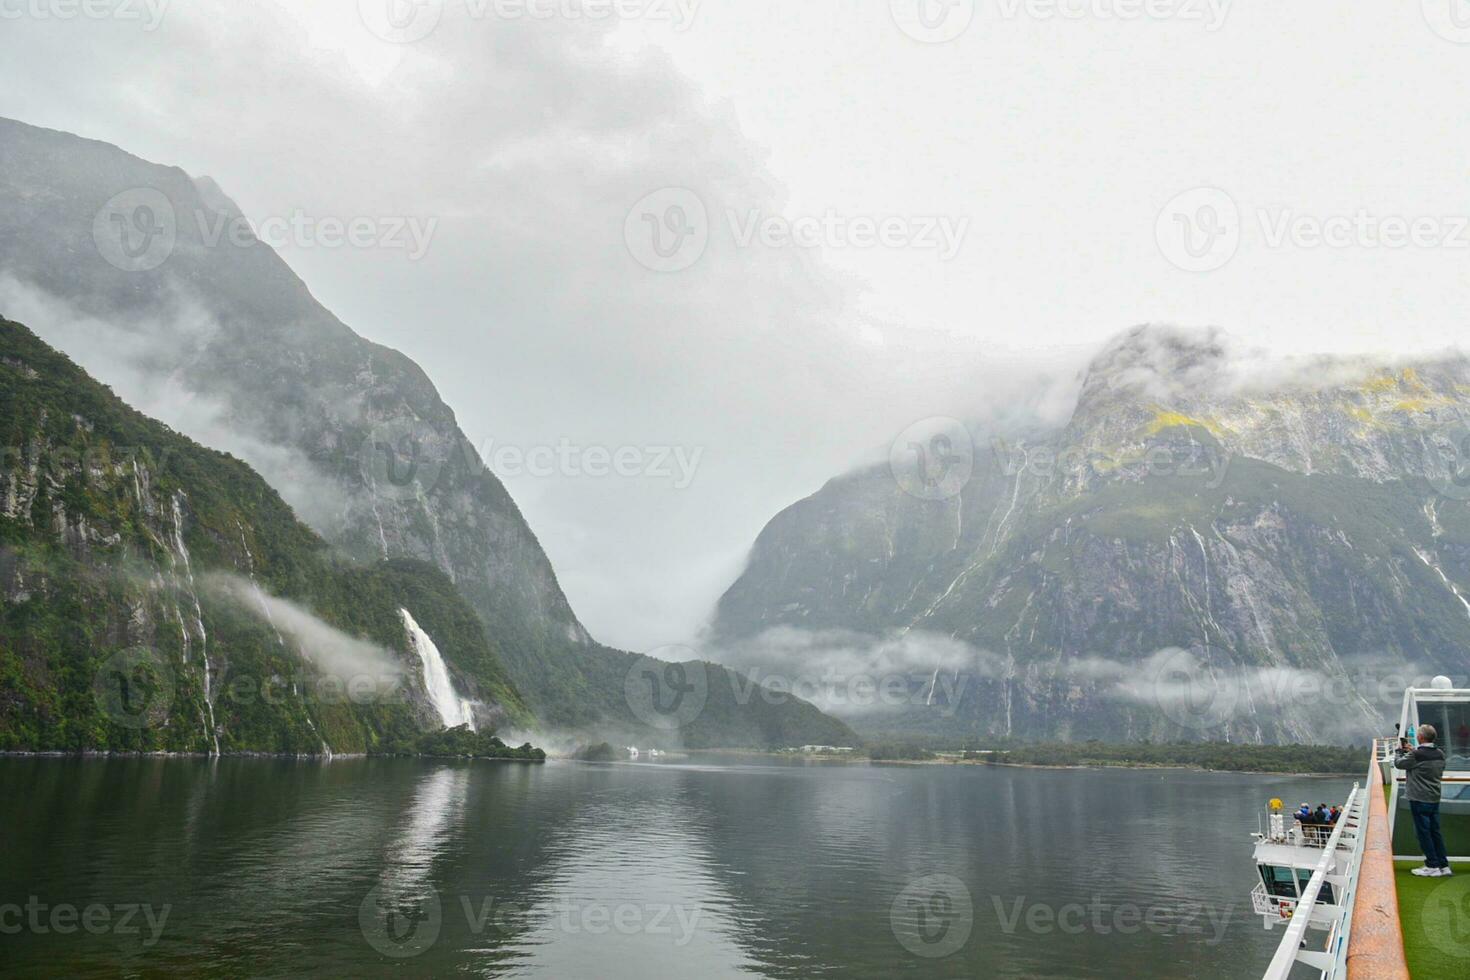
(114, 531)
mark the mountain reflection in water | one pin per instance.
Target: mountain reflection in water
(412, 868)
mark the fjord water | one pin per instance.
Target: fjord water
(413, 868)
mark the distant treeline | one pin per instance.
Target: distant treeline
(1202, 755)
(461, 743)
(1232, 757)
(907, 751)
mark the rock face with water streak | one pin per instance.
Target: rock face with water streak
(141, 275)
(156, 595)
(353, 433)
(452, 710)
(1208, 536)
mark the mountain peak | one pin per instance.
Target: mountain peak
(214, 196)
(1163, 363)
(1161, 359)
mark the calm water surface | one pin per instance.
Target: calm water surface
(397, 867)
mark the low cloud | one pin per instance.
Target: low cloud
(1167, 363)
(849, 673)
(1202, 691)
(138, 360)
(328, 649)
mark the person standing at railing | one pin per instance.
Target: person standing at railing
(1424, 765)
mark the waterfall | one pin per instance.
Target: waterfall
(181, 553)
(1430, 561)
(453, 710)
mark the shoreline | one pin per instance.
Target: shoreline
(293, 756)
(862, 759)
(301, 756)
(1160, 765)
(845, 760)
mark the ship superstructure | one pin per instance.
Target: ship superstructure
(1331, 884)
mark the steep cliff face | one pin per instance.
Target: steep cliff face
(157, 595)
(381, 467)
(1212, 546)
(182, 296)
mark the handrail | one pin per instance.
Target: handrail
(1291, 943)
(1376, 943)
(1340, 939)
(1264, 902)
(1314, 834)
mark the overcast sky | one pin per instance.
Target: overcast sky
(1035, 183)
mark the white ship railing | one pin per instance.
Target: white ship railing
(1331, 959)
(1265, 903)
(1318, 834)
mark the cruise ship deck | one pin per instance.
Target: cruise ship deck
(1371, 917)
(1431, 945)
(1435, 912)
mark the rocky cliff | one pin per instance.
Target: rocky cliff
(1215, 544)
(157, 595)
(153, 278)
(374, 459)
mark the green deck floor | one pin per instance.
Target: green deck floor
(1435, 913)
(1455, 826)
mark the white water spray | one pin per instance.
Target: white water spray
(453, 710)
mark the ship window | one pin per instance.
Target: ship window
(1279, 881)
(1453, 722)
(1304, 878)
